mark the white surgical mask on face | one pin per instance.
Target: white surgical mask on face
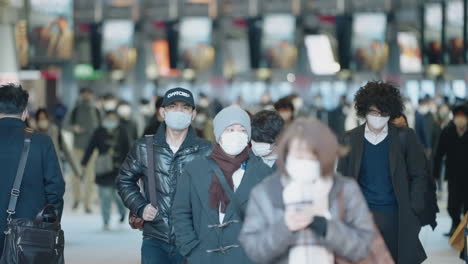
(261, 149)
(233, 143)
(303, 170)
(110, 105)
(178, 120)
(110, 124)
(124, 111)
(377, 122)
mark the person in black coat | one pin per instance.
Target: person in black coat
(392, 175)
(112, 142)
(453, 144)
(42, 181)
(174, 145)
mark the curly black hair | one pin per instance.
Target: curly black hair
(13, 99)
(382, 95)
(266, 126)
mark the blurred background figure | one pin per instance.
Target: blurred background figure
(112, 143)
(453, 145)
(266, 128)
(84, 120)
(45, 125)
(153, 123)
(285, 109)
(124, 110)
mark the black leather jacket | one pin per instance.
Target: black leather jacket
(168, 168)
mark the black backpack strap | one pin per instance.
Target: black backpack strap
(15, 191)
(150, 170)
(230, 193)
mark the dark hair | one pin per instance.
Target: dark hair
(159, 102)
(284, 103)
(112, 112)
(319, 138)
(13, 99)
(266, 126)
(384, 96)
(462, 108)
(41, 111)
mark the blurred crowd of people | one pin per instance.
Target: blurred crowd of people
(107, 150)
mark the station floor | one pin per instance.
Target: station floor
(87, 243)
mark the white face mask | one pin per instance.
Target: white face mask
(124, 111)
(377, 122)
(424, 109)
(303, 170)
(261, 149)
(233, 143)
(110, 105)
(178, 120)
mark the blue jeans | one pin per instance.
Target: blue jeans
(154, 251)
(107, 195)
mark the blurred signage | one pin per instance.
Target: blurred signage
(320, 54)
(118, 44)
(235, 8)
(369, 48)
(195, 48)
(162, 59)
(433, 18)
(454, 32)
(22, 43)
(236, 54)
(410, 53)
(121, 9)
(152, 9)
(278, 41)
(86, 72)
(326, 6)
(51, 29)
(195, 8)
(376, 5)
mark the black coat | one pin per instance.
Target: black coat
(192, 214)
(102, 140)
(455, 149)
(168, 168)
(409, 178)
(42, 182)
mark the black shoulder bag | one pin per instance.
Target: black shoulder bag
(230, 193)
(31, 241)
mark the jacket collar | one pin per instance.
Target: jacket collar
(358, 144)
(251, 179)
(12, 122)
(160, 138)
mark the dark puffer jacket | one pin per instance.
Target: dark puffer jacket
(168, 168)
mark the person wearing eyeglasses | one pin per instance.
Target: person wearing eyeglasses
(388, 162)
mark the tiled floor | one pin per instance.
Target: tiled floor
(86, 243)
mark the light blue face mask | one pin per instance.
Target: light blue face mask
(178, 120)
(110, 124)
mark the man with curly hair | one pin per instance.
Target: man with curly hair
(389, 164)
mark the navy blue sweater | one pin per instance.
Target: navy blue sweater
(374, 177)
